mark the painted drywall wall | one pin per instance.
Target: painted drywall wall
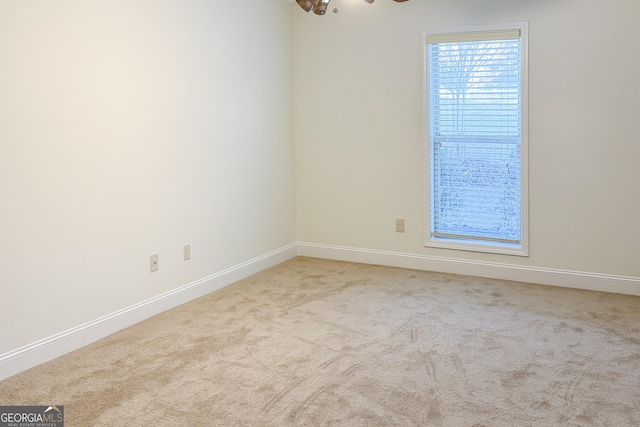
(359, 127)
(130, 128)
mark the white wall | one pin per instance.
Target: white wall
(129, 128)
(359, 142)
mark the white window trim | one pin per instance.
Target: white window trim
(468, 245)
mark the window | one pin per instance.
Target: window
(476, 142)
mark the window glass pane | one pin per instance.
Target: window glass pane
(475, 131)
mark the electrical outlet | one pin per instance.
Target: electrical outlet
(153, 261)
(186, 251)
(399, 225)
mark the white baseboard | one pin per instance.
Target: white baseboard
(34, 354)
(544, 276)
(55, 346)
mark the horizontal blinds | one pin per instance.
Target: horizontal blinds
(479, 36)
(474, 103)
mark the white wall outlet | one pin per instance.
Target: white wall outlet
(153, 261)
(186, 251)
(399, 225)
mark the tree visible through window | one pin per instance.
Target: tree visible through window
(475, 137)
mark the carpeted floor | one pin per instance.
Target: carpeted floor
(323, 343)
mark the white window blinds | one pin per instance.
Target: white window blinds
(474, 96)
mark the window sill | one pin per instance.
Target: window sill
(474, 246)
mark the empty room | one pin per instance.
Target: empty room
(320, 213)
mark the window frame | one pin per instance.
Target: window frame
(521, 249)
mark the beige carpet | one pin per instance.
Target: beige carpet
(323, 343)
